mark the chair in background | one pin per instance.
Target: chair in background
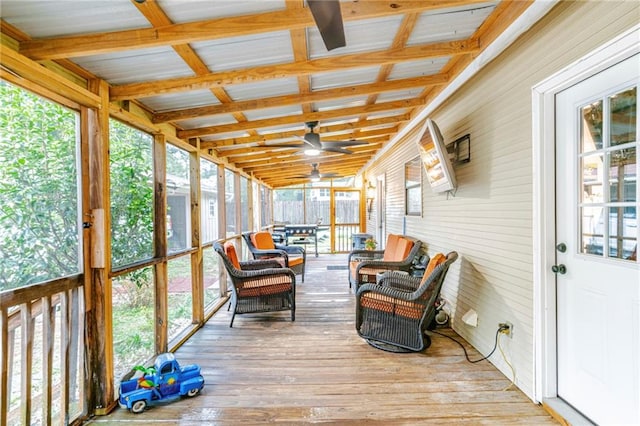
(258, 285)
(394, 314)
(398, 255)
(262, 246)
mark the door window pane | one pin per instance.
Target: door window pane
(592, 169)
(622, 175)
(39, 204)
(622, 232)
(591, 134)
(622, 111)
(608, 203)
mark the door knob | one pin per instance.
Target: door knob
(559, 269)
(562, 247)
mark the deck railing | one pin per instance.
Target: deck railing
(42, 355)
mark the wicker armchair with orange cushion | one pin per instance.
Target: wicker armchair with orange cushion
(394, 314)
(262, 246)
(398, 255)
(258, 285)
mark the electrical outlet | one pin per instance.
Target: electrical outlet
(506, 328)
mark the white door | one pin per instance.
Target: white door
(598, 279)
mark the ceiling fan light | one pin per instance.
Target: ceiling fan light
(315, 179)
(311, 152)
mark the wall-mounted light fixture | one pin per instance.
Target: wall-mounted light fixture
(460, 149)
(371, 195)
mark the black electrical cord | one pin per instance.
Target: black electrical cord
(466, 355)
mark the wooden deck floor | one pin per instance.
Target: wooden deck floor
(317, 370)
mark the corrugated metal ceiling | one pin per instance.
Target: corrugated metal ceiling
(249, 73)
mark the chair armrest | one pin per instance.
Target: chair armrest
(296, 250)
(385, 291)
(259, 264)
(259, 253)
(399, 280)
(270, 272)
(384, 264)
(369, 254)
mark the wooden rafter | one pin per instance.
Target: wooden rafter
(232, 26)
(294, 69)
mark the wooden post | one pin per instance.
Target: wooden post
(197, 268)
(98, 330)
(160, 243)
(222, 226)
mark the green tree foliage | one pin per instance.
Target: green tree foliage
(39, 201)
(131, 194)
(38, 189)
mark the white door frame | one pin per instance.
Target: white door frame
(544, 252)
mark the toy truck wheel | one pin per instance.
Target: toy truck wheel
(139, 406)
(193, 392)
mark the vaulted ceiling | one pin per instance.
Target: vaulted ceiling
(243, 76)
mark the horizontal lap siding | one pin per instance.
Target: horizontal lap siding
(489, 220)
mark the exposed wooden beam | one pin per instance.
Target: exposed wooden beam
(266, 72)
(298, 98)
(292, 119)
(400, 41)
(24, 68)
(231, 26)
(156, 16)
(353, 126)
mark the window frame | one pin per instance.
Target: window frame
(413, 189)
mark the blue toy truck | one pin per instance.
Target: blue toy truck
(165, 382)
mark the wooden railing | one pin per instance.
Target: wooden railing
(42, 355)
(343, 233)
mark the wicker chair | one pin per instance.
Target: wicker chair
(262, 246)
(258, 285)
(394, 314)
(398, 255)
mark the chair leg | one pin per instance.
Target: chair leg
(292, 303)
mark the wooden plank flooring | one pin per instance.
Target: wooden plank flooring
(267, 369)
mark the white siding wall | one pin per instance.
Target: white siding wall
(489, 221)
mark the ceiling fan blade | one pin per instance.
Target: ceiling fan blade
(339, 150)
(308, 143)
(328, 175)
(341, 144)
(282, 145)
(328, 17)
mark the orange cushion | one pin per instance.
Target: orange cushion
(263, 240)
(433, 264)
(403, 248)
(264, 286)
(391, 305)
(230, 251)
(390, 247)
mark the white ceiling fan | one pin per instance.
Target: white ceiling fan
(315, 174)
(313, 145)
